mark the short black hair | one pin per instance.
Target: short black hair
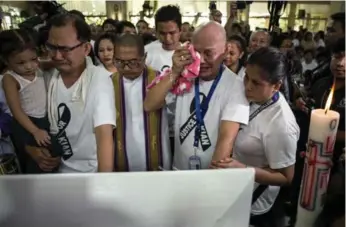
(339, 17)
(131, 40)
(110, 21)
(15, 41)
(123, 24)
(168, 13)
(148, 38)
(339, 46)
(142, 21)
(78, 13)
(236, 25)
(82, 28)
(108, 36)
(186, 23)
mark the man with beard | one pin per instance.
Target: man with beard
(207, 117)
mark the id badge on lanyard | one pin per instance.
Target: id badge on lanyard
(195, 161)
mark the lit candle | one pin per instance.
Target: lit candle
(322, 132)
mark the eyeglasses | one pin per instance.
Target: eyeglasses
(132, 64)
(62, 49)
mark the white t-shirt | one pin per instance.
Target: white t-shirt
(320, 43)
(311, 66)
(295, 42)
(241, 73)
(228, 103)
(135, 130)
(98, 109)
(269, 140)
(157, 57)
(106, 73)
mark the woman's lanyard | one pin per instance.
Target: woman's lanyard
(264, 106)
(202, 108)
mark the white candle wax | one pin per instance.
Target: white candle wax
(322, 133)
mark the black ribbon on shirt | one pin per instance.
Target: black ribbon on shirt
(191, 124)
(64, 118)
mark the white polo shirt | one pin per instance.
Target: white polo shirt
(228, 103)
(135, 130)
(269, 140)
(97, 109)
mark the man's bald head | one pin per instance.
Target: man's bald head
(210, 41)
(211, 30)
(258, 39)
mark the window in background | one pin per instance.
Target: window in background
(188, 9)
(259, 16)
(11, 17)
(316, 16)
(94, 11)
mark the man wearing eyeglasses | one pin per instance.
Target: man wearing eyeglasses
(81, 107)
(142, 142)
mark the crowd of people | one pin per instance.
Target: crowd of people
(79, 98)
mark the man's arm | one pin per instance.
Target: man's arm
(235, 112)
(105, 147)
(231, 18)
(155, 98)
(104, 122)
(227, 134)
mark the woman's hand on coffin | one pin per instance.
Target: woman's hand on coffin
(181, 58)
(42, 137)
(227, 163)
(43, 158)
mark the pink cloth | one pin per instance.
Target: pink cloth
(184, 82)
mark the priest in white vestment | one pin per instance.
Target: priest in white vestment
(142, 139)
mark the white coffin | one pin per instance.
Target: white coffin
(208, 198)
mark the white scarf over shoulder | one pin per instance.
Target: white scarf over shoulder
(78, 95)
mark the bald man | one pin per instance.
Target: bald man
(217, 96)
(258, 39)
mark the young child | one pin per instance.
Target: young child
(26, 95)
(236, 55)
(104, 51)
(309, 62)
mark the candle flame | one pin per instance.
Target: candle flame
(329, 99)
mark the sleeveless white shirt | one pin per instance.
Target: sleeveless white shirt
(33, 94)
